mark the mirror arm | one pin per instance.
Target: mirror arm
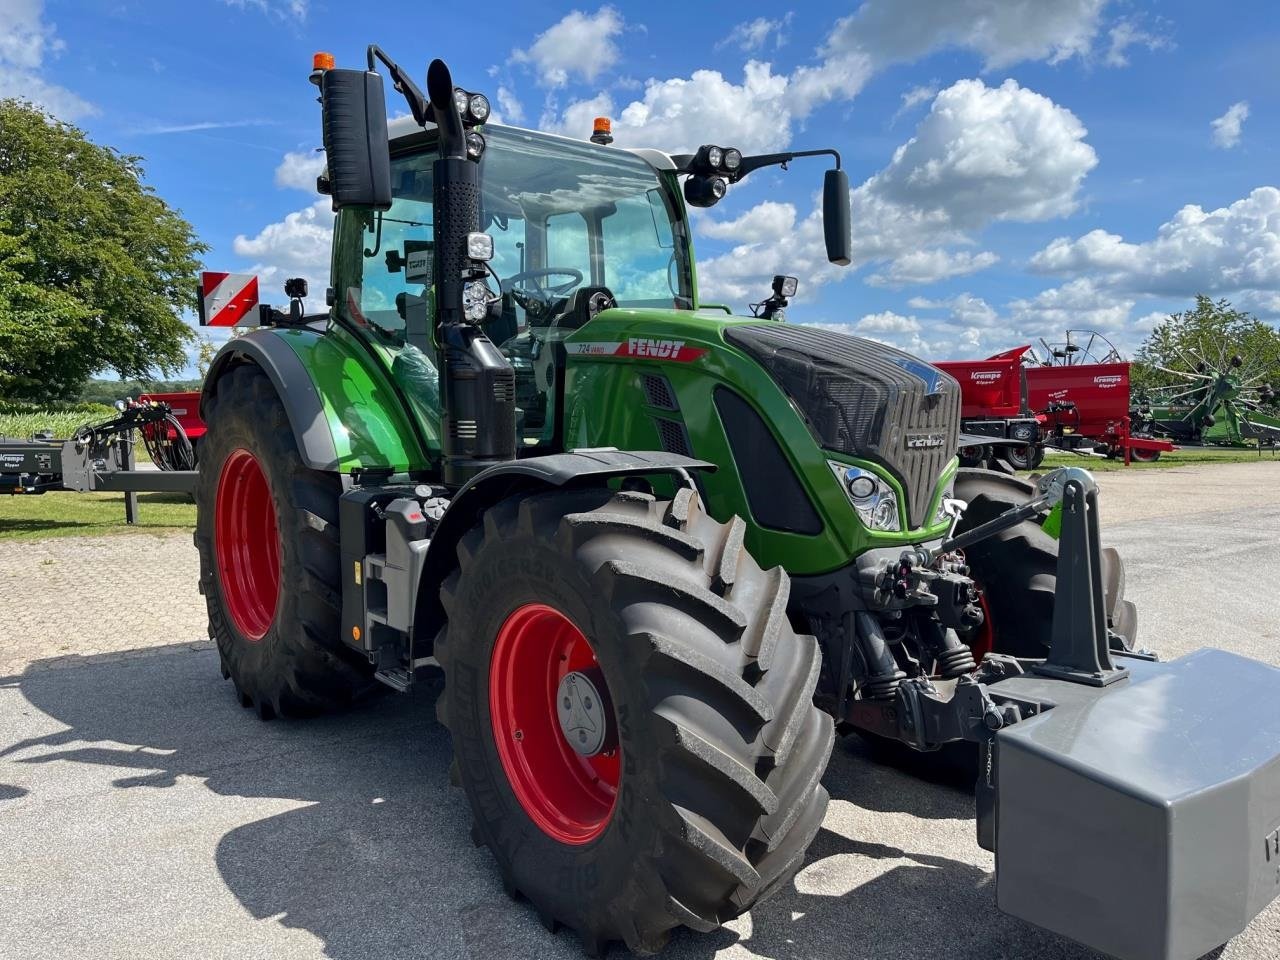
(419, 106)
(684, 162)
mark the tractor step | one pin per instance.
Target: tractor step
(399, 679)
(1141, 818)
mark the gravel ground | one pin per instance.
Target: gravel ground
(144, 814)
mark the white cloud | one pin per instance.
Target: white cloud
(963, 309)
(1076, 305)
(754, 35)
(280, 9)
(913, 98)
(26, 42)
(299, 170)
(1227, 128)
(297, 246)
(679, 114)
(1217, 251)
(982, 154)
(510, 105)
(200, 125)
(931, 266)
(887, 322)
(761, 223)
(579, 44)
(990, 153)
(1126, 33)
(1002, 32)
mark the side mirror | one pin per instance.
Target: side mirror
(355, 138)
(835, 217)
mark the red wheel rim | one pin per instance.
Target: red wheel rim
(247, 544)
(570, 797)
(984, 638)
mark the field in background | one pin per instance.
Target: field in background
(20, 420)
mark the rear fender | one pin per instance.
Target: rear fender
(343, 407)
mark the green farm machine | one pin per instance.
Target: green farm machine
(663, 555)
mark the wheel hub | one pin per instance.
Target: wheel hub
(581, 714)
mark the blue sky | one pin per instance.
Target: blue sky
(1018, 166)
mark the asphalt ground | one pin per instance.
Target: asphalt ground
(144, 814)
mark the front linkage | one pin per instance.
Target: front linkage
(1098, 776)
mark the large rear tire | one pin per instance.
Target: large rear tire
(1017, 571)
(267, 533)
(705, 793)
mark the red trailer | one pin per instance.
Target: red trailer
(993, 403)
(1072, 406)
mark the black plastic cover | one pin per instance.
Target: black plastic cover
(864, 399)
(775, 494)
(355, 139)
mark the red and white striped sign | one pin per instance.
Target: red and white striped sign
(228, 300)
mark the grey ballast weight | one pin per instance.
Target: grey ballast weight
(1141, 818)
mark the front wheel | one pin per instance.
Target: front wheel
(631, 712)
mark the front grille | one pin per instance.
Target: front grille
(864, 399)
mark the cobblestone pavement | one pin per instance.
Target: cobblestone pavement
(143, 813)
(73, 596)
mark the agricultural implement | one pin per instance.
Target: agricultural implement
(663, 554)
(1221, 400)
(100, 457)
(1074, 396)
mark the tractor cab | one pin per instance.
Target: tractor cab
(575, 229)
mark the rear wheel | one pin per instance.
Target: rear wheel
(1017, 571)
(267, 533)
(631, 712)
(1144, 456)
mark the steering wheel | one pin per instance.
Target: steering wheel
(543, 300)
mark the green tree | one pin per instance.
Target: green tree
(1212, 332)
(94, 267)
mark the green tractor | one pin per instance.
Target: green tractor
(661, 553)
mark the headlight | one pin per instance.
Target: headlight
(940, 515)
(873, 500)
(476, 297)
(479, 246)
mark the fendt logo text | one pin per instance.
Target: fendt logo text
(659, 349)
(924, 441)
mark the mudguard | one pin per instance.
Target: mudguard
(555, 470)
(344, 408)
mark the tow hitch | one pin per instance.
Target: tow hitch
(1132, 805)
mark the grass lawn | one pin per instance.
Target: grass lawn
(1185, 457)
(76, 514)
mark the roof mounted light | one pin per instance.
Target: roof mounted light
(704, 191)
(602, 131)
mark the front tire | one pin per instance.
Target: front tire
(705, 792)
(1017, 571)
(267, 534)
